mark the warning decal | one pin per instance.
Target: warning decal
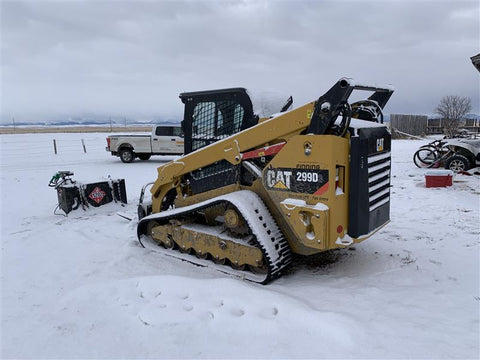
(305, 181)
(97, 195)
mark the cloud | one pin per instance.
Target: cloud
(134, 58)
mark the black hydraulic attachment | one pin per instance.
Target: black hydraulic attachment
(72, 194)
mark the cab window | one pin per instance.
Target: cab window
(213, 121)
(164, 131)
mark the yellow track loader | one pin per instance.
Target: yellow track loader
(251, 191)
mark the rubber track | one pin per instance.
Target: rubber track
(269, 238)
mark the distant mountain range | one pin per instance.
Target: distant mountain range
(91, 122)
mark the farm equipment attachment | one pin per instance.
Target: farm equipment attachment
(72, 194)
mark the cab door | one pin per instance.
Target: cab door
(177, 141)
(167, 140)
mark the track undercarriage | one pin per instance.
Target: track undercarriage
(236, 232)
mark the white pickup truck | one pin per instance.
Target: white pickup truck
(164, 140)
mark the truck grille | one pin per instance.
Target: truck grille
(378, 180)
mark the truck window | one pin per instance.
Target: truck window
(164, 131)
(177, 131)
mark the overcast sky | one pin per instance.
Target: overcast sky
(133, 58)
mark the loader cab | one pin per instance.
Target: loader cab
(213, 115)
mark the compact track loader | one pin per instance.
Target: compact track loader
(251, 191)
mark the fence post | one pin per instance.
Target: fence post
(55, 146)
(84, 148)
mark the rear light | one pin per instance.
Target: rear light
(108, 142)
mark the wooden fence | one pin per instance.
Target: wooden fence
(410, 124)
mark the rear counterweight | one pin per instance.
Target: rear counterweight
(369, 197)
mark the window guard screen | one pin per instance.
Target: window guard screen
(215, 120)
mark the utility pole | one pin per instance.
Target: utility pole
(110, 124)
(13, 119)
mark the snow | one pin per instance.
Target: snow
(291, 204)
(345, 240)
(246, 201)
(437, 172)
(82, 287)
(364, 124)
(360, 84)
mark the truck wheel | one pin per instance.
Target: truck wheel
(126, 155)
(144, 156)
(457, 163)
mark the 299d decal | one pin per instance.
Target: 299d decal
(305, 181)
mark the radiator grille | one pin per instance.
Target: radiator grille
(378, 180)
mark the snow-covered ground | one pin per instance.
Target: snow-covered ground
(81, 286)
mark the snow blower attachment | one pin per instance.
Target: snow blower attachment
(72, 194)
(251, 191)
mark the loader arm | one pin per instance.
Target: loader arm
(280, 128)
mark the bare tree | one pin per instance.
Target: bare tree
(453, 108)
